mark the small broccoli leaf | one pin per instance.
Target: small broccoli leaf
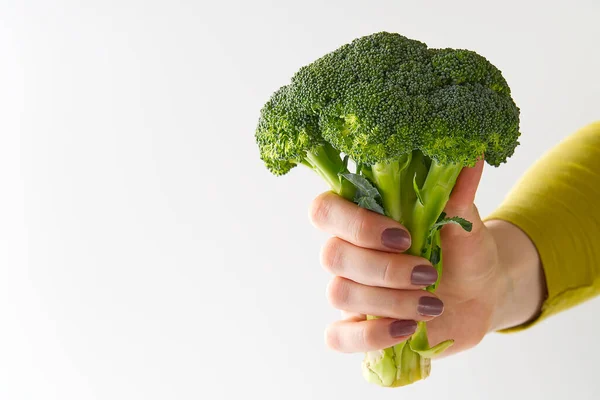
(417, 190)
(364, 188)
(434, 351)
(367, 196)
(364, 170)
(466, 225)
(345, 162)
(370, 204)
(436, 253)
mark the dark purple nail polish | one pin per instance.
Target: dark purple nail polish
(402, 328)
(395, 238)
(430, 306)
(423, 275)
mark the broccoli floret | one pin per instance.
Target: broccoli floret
(410, 118)
(289, 136)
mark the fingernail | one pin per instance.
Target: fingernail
(423, 275)
(430, 306)
(402, 328)
(395, 238)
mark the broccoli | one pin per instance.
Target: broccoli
(409, 118)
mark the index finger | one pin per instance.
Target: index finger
(361, 227)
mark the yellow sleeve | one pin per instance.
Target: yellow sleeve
(557, 204)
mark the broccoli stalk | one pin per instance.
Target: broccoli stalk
(410, 118)
(388, 178)
(326, 162)
(419, 209)
(434, 195)
(414, 191)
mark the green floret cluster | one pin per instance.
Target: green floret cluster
(409, 118)
(384, 95)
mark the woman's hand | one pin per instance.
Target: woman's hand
(491, 276)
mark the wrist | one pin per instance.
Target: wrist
(521, 288)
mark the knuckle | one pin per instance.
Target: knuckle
(320, 209)
(338, 292)
(331, 254)
(368, 337)
(386, 273)
(357, 225)
(332, 338)
(397, 303)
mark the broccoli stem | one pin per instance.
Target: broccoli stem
(413, 366)
(398, 365)
(435, 193)
(409, 361)
(437, 241)
(388, 179)
(326, 162)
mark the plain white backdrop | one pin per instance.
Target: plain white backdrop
(146, 253)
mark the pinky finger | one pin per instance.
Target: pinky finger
(352, 336)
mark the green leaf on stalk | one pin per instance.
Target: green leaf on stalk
(370, 204)
(364, 188)
(345, 162)
(434, 351)
(466, 225)
(365, 170)
(417, 190)
(436, 253)
(367, 196)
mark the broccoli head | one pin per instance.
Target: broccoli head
(385, 95)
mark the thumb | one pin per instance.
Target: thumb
(461, 202)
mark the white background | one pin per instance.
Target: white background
(145, 252)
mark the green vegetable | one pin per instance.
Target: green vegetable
(410, 118)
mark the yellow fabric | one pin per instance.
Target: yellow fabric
(557, 204)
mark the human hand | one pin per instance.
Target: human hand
(491, 276)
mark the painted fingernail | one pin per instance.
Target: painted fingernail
(395, 238)
(402, 328)
(423, 275)
(430, 306)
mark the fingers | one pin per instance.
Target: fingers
(376, 268)
(462, 198)
(348, 295)
(354, 316)
(351, 336)
(463, 193)
(357, 225)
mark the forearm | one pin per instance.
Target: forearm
(555, 204)
(522, 288)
